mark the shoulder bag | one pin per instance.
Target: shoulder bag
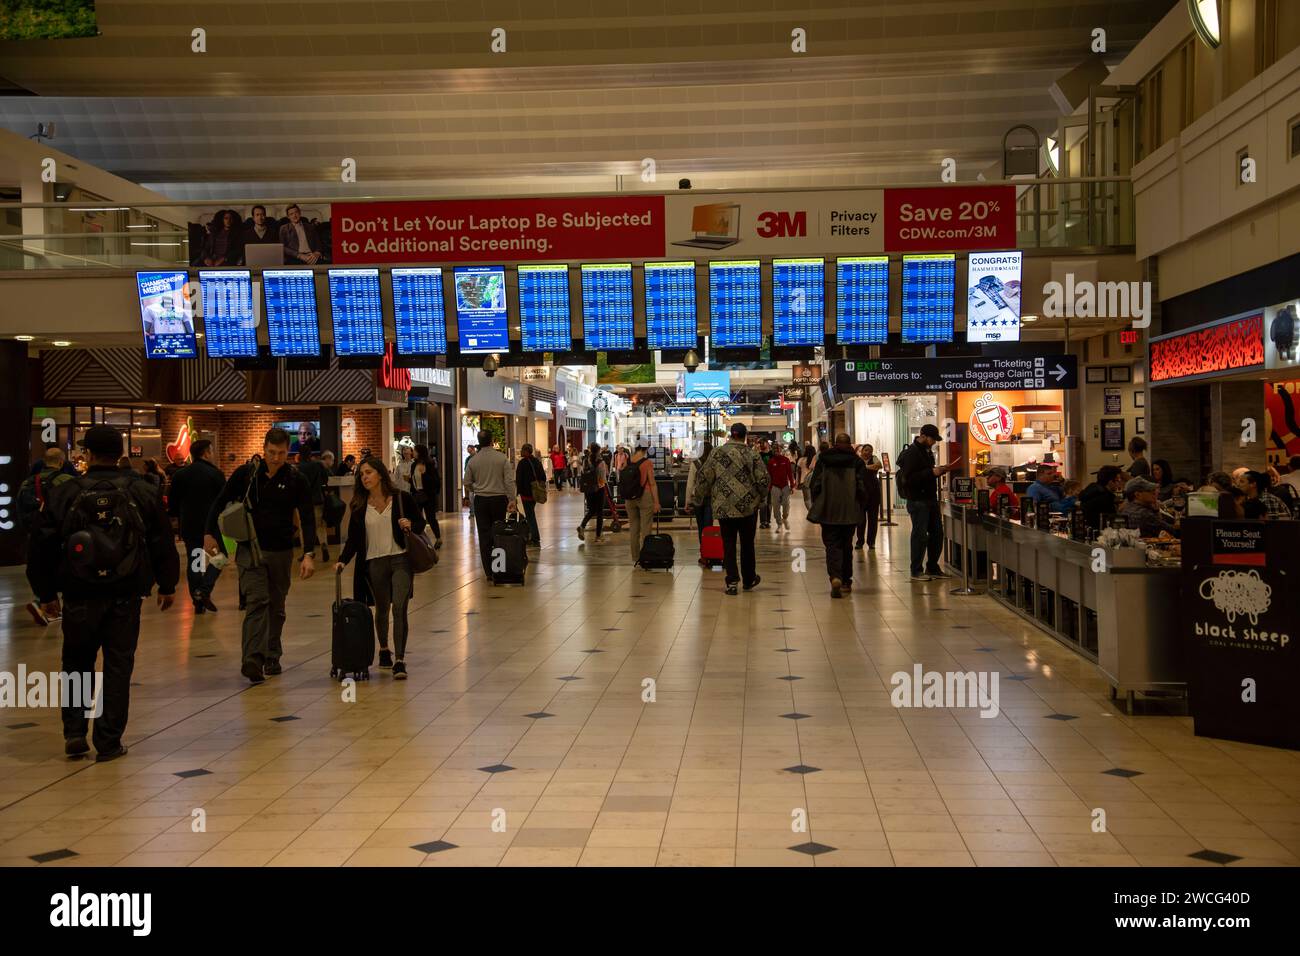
(418, 553)
(539, 483)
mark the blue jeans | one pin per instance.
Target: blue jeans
(927, 534)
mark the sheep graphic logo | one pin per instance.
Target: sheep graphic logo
(1238, 593)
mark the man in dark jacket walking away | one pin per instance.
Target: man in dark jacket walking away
(918, 482)
(193, 489)
(104, 541)
(839, 501)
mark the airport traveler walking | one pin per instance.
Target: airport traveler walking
(591, 482)
(490, 482)
(405, 466)
(32, 496)
(574, 466)
(704, 509)
(840, 496)
(271, 491)
(871, 515)
(104, 541)
(193, 490)
(559, 467)
(640, 494)
(803, 473)
(780, 472)
(528, 475)
(428, 489)
(379, 516)
(765, 509)
(918, 483)
(736, 480)
(316, 472)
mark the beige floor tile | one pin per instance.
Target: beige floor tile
(696, 856)
(542, 856)
(619, 856)
(625, 837)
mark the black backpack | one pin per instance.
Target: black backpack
(629, 481)
(587, 480)
(104, 532)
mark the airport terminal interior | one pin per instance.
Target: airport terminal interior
(624, 347)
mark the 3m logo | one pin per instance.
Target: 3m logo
(782, 225)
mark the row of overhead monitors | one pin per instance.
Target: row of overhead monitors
(422, 304)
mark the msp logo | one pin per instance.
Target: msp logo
(990, 421)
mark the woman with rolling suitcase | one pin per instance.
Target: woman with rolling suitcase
(703, 511)
(379, 519)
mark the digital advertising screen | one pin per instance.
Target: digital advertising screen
(607, 307)
(304, 436)
(481, 320)
(544, 308)
(229, 323)
(419, 312)
(670, 317)
(929, 284)
(357, 312)
(798, 302)
(291, 322)
(862, 300)
(735, 304)
(993, 297)
(167, 315)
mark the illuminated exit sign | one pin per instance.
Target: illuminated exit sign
(1128, 337)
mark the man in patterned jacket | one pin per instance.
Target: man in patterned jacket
(736, 481)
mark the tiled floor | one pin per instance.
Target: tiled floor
(700, 777)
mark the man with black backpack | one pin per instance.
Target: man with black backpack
(918, 482)
(640, 494)
(32, 495)
(104, 541)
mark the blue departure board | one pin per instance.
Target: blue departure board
(862, 300)
(544, 320)
(481, 322)
(670, 305)
(929, 289)
(229, 325)
(735, 305)
(798, 302)
(167, 315)
(607, 307)
(357, 312)
(291, 322)
(419, 313)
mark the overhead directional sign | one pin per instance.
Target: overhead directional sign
(961, 374)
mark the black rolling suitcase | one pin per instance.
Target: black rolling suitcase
(657, 550)
(509, 545)
(353, 646)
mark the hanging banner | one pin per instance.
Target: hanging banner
(814, 222)
(950, 218)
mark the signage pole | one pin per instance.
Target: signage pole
(965, 588)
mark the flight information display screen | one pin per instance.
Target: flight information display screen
(357, 312)
(862, 300)
(229, 325)
(670, 318)
(167, 315)
(419, 312)
(735, 304)
(798, 301)
(481, 320)
(544, 308)
(929, 288)
(607, 306)
(291, 321)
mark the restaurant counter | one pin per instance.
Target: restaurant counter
(1124, 619)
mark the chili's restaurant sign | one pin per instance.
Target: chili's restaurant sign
(1225, 347)
(391, 379)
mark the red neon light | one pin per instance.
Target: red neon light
(1238, 344)
(397, 379)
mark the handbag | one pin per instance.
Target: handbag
(418, 493)
(539, 487)
(418, 552)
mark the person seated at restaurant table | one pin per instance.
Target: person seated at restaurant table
(1163, 476)
(999, 488)
(1260, 502)
(1141, 510)
(1230, 497)
(1098, 500)
(1049, 486)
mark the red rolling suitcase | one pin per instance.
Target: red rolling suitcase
(711, 545)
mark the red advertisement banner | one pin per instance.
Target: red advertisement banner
(943, 219)
(488, 230)
(1228, 346)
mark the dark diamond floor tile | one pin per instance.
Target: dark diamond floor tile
(790, 677)
(986, 650)
(610, 629)
(21, 726)
(570, 677)
(795, 715)
(286, 719)
(593, 650)
(52, 856)
(186, 774)
(785, 627)
(1213, 856)
(538, 715)
(801, 768)
(1121, 772)
(437, 846)
(812, 849)
(787, 650)
(497, 768)
(205, 655)
(1062, 717)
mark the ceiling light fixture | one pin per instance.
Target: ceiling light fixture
(1205, 20)
(25, 338)
(62, 343)
(1028, 318)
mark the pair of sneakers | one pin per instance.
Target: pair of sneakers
(839, 587)
(731, 585)
(930, 574)
(386, 662)
(76, 746)
(258, 673)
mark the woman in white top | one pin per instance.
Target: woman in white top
(405, 466)
(380, 515)
(803, 473)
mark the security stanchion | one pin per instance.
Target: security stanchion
(888, 519)
(965, 588)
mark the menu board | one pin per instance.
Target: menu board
(229, 325)
(993, 297)
(929, 283)
(166, 315)
(356, 310)
(544, 308)
(291, 321)
(798, 302)
(419, 313)
(607, 306)
(481, 308)
(862, 300)
(670, 318)
(735, 304)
